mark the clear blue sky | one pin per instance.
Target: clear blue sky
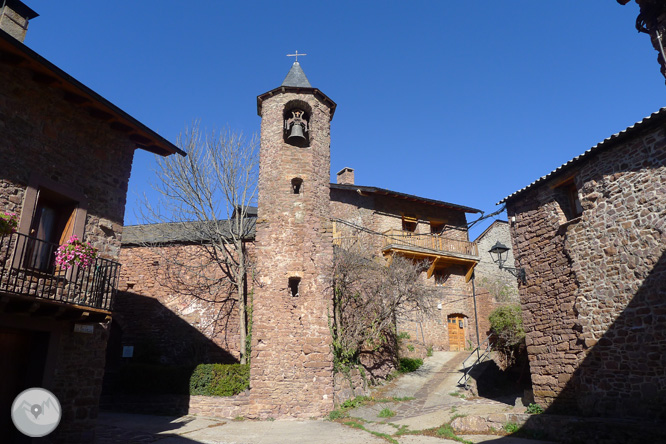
(464, 102)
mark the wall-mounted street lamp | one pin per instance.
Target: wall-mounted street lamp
(500, 253)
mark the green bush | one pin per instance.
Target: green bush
(506, 326)
(220, 379)
(506, 323)
(154, 378)
(408, 365)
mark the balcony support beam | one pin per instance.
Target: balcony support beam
(432, 267)
(470, 273)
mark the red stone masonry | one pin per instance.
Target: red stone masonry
(202, 324)
(46, 137)
(292, 364)
(593, 306)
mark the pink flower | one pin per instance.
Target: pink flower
(75, 252)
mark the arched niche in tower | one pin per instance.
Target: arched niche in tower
(296, 117)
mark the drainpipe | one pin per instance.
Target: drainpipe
(476, 317)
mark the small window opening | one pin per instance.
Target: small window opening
(409, 223)
(437, 227)
(294, 283)
(570, 207)
(440, 278)
(575, 207)
(296, 185)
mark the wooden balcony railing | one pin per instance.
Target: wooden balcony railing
(27, 268)
(430, 242)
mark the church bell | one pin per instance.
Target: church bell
(296, 134)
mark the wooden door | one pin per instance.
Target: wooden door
(456, 324)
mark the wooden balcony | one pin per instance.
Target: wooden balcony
(442, 251)
(31, 283)
(430, 242)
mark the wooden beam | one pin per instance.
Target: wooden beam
(75, 98)
(566, 180)
(121, 127)
(44, 79)
(431, 270)
(468, 276)
(11, 58)
(138, 138)
(99, 114)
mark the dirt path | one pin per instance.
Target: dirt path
(437, 400)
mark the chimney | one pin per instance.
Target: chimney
(14, 17)
(346, 176)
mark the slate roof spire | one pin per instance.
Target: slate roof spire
(296, 77)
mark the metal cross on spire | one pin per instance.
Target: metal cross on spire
(296, 55)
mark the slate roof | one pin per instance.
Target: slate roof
(180, 232)
(382, 191)
(296, 77)
(653, 119)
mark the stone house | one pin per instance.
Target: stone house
(428, 230)
(65, 161)
(591, 236)
(494, 286)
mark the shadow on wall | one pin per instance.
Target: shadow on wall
(623, 375)
(165, 350)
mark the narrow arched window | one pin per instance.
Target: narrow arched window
(296, 185)
(294, 283)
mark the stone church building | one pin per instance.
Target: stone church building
(300, 217)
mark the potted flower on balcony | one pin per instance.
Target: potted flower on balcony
(75, 252)
(8, 223)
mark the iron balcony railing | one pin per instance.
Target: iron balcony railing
(28, 268)
(430, 242)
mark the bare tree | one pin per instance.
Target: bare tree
(370, 295)
(205, 200)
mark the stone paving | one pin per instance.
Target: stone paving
(433, 387)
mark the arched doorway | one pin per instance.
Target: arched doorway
(456, 326)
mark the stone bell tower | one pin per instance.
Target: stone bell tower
(292, 364)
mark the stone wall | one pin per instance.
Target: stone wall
(60, 143)
(48, 139)
(292, 363)
(78, 382)
(593, 304)
(162, 303)
(349, 386)
(220, 407)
